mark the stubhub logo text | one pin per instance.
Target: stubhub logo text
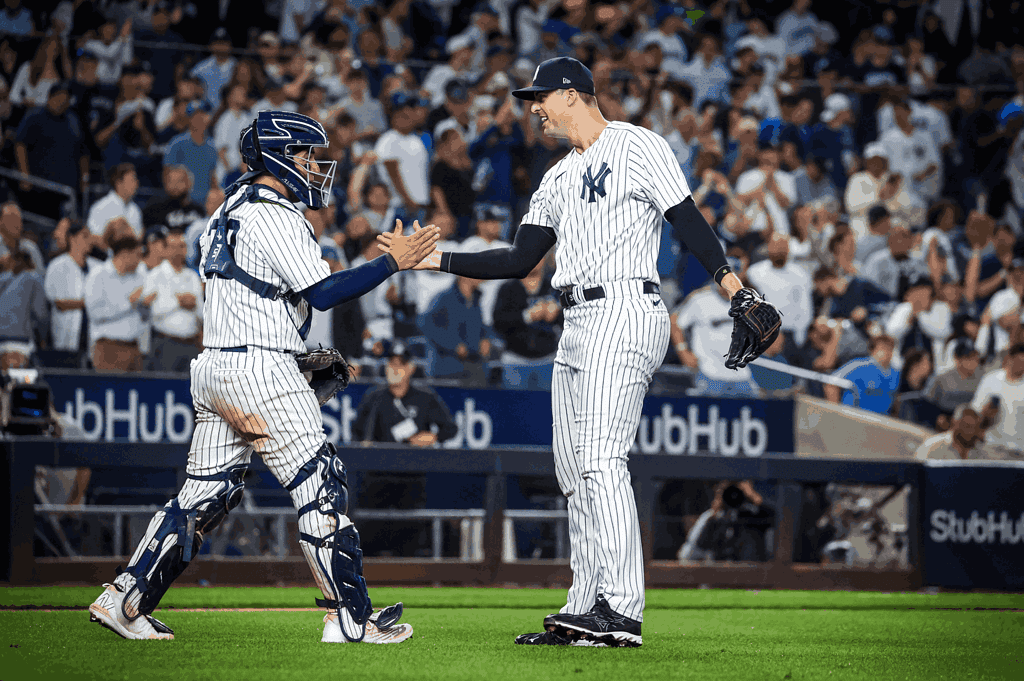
(673, 434)
(120, 418)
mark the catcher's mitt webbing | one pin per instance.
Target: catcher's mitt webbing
(329, 372)
(756, 325)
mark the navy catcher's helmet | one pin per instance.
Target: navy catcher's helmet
(271, 144)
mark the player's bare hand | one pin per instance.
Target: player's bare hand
(135, 295)
(417, 251)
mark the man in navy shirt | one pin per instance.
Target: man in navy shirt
(50, 143)
(161, 59)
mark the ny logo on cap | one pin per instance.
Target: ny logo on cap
(595, 183)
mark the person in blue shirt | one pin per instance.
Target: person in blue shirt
(833, 138)
(876, 379)
(194, 150)
(493, 153)
(454, 326)
(216, 70)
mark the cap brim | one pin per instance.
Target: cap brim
(529, 93)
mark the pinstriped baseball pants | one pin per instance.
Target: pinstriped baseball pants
(607, 355)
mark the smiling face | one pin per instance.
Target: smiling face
(553, 108)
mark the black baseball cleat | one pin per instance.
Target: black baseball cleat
(600, 625)
(546, 638)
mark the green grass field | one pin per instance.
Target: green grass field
(467, 634)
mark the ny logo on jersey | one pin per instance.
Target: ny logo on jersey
(595, 183)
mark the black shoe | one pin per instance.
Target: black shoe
(600, 625)
(546, 638)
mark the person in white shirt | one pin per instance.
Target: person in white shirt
(403, 160)
(797, 26)
(785, 285)
(228, 129)
(113, 50)
(1000, 400)
(460, 55)
(769, 47)
(768, 185)
(887, 267)
(118, 202)
(65, 288)
(430, 283)
(913, 153)
(214, 198)
(489, 223)
(116, 308)
(12, 227)
(875, 184)
(177, 309)
(920, 320)
(704, 315)
(965, 440)
(922, 116)
(1004, 312)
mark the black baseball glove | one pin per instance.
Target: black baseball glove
(756, 325)
(327, 372)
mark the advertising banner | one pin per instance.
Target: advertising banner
(140, 408)
(973, 516)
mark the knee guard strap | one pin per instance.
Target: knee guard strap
(173, 539)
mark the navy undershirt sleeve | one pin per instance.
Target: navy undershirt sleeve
(347, 285)
(515, 261)
(690, 227)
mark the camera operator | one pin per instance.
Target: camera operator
(735, 528)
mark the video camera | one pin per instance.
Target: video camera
(25, 403)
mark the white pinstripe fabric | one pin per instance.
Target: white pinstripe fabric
(608, 353)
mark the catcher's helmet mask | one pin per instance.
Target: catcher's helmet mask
(272, 144)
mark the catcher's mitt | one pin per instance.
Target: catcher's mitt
(326, 370)
(756, 325)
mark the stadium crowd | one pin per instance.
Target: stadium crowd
(862, 162)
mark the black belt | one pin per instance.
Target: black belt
(568, 299)
(245, 348)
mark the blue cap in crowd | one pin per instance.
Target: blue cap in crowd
(1009, 111)
(558, 74)
(456, 90)
(197, 105)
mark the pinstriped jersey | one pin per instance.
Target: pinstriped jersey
(607, 204)
(273, 242)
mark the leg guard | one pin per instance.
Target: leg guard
(330, 542)
(175, 535)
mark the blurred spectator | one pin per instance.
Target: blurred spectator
(430, 283)
(57, 143)
(830, 343)
(498, 144)
(451, 180)
(458, 67)
(877, 239)
(1004, 312)
(735, 528)
(707, 73)
(787, 286)
(65, 289)
(811, 181)
(877, 380)
(874, 185)
(773, 189)
(216, 70)
(910, 403)
(118, 203)
(965, 440)
(956, 386)
(452, 113)
(704, 317)
(214, 198)
(941, 234)
(454, 327)
(93, 101)
(484, 21)
(24, 314)
(154, 249)
(371, 200)
(913, 153)
(163, 60)
(275, 98)
(177, 309)
(175, 209)
(362, 106)
(116, 309)
(12, 239)
(921, 321)
(16, 19)
(528, 318)
(194, 150)
(114, 50)
(892, 267)
(1000, 401)
(489, 225)
(770, 48)
(797, 26)
(35, 78)
(400, 411)
(403, 160)
(233, 117)
(186, 89)
(832, 140)
(848, 297)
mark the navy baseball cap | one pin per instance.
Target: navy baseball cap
(964, 348)
(560, 73)
(197, 105)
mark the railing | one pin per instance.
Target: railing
(48, 185)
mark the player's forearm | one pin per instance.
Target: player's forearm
(515, 261)
(347, 285)
(690, 227)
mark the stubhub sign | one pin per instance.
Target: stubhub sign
(144, 409)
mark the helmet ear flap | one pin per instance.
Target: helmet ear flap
(256, 143)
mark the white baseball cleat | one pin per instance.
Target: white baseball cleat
(106, 610)
(385, 633)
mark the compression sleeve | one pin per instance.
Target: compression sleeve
(516, 261)
(347, 285)
(690, 227)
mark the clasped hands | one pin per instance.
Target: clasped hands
(418, 251)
